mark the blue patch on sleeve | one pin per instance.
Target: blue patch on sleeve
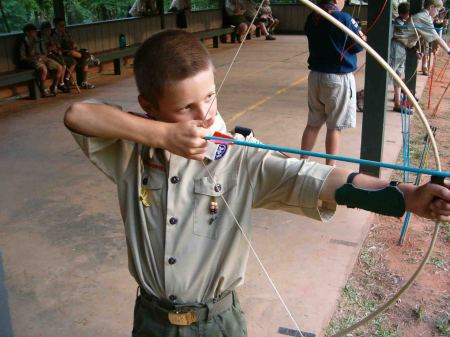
(220, 152)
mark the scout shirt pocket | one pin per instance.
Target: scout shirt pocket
(150, 196)
(206, 191)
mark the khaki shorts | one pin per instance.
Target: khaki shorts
(45, 62)
(397, 59)
(331, 100)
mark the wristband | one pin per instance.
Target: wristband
(387, 201)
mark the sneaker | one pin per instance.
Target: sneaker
(87, 85)
(270, 37)
(406, 111)
(95, 61)
(54, 90)
(70, 83)
(63, 88)
(47, 93)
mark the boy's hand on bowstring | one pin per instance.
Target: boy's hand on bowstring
(186, 139)
(430, 201)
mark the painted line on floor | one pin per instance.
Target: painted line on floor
(295, 333)
(5, 317)
(241, 113)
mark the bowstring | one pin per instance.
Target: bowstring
(233, 60)
(263, 268)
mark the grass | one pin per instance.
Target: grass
(443, 326)
(445, 228)
(383, 331)
(419, 313)
(438, 262)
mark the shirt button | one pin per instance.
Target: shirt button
(217, 187)
(172, 298)
(173, 221)
(172, 260)
(175, 180)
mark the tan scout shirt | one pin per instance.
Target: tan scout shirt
(409, 38)
(175, 250)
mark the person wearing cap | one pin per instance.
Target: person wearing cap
(31, 55)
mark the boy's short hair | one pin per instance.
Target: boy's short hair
(403, 8)
(29, 27)
(165, 58)
(435, 3)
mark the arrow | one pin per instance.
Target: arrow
(220, 140)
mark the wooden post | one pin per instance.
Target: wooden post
(58, 9)
(375, 88)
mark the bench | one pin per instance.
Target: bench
(114, 55)
(29, 75)
(21, 76)
(216, 34)
(117, 55)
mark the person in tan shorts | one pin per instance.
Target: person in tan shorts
(32, 56)
(331, 101)
(331, 84)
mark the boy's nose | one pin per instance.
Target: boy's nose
(204, 112)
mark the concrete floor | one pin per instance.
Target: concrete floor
(63, 265)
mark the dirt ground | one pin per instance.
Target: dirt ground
(384, 266)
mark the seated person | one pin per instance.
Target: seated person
(32, 56)
(234, 16)
(250, 12)
(265, 15)
(50, 49)
(71, 52)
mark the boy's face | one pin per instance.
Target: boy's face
(32, 34)
(434, 10)
(186, 100)
(60, 26)
(340, 4)
(404, 16)
(46, 31)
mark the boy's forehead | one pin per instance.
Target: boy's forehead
(202, 80)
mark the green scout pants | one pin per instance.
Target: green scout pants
(229, 323)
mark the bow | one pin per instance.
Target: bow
(432, 140)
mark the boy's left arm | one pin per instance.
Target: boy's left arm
(429, 200)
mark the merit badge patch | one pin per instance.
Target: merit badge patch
(220, 152)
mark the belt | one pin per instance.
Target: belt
(183, 315)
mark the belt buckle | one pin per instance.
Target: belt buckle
(178, 317)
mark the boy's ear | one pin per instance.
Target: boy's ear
(147, 106)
